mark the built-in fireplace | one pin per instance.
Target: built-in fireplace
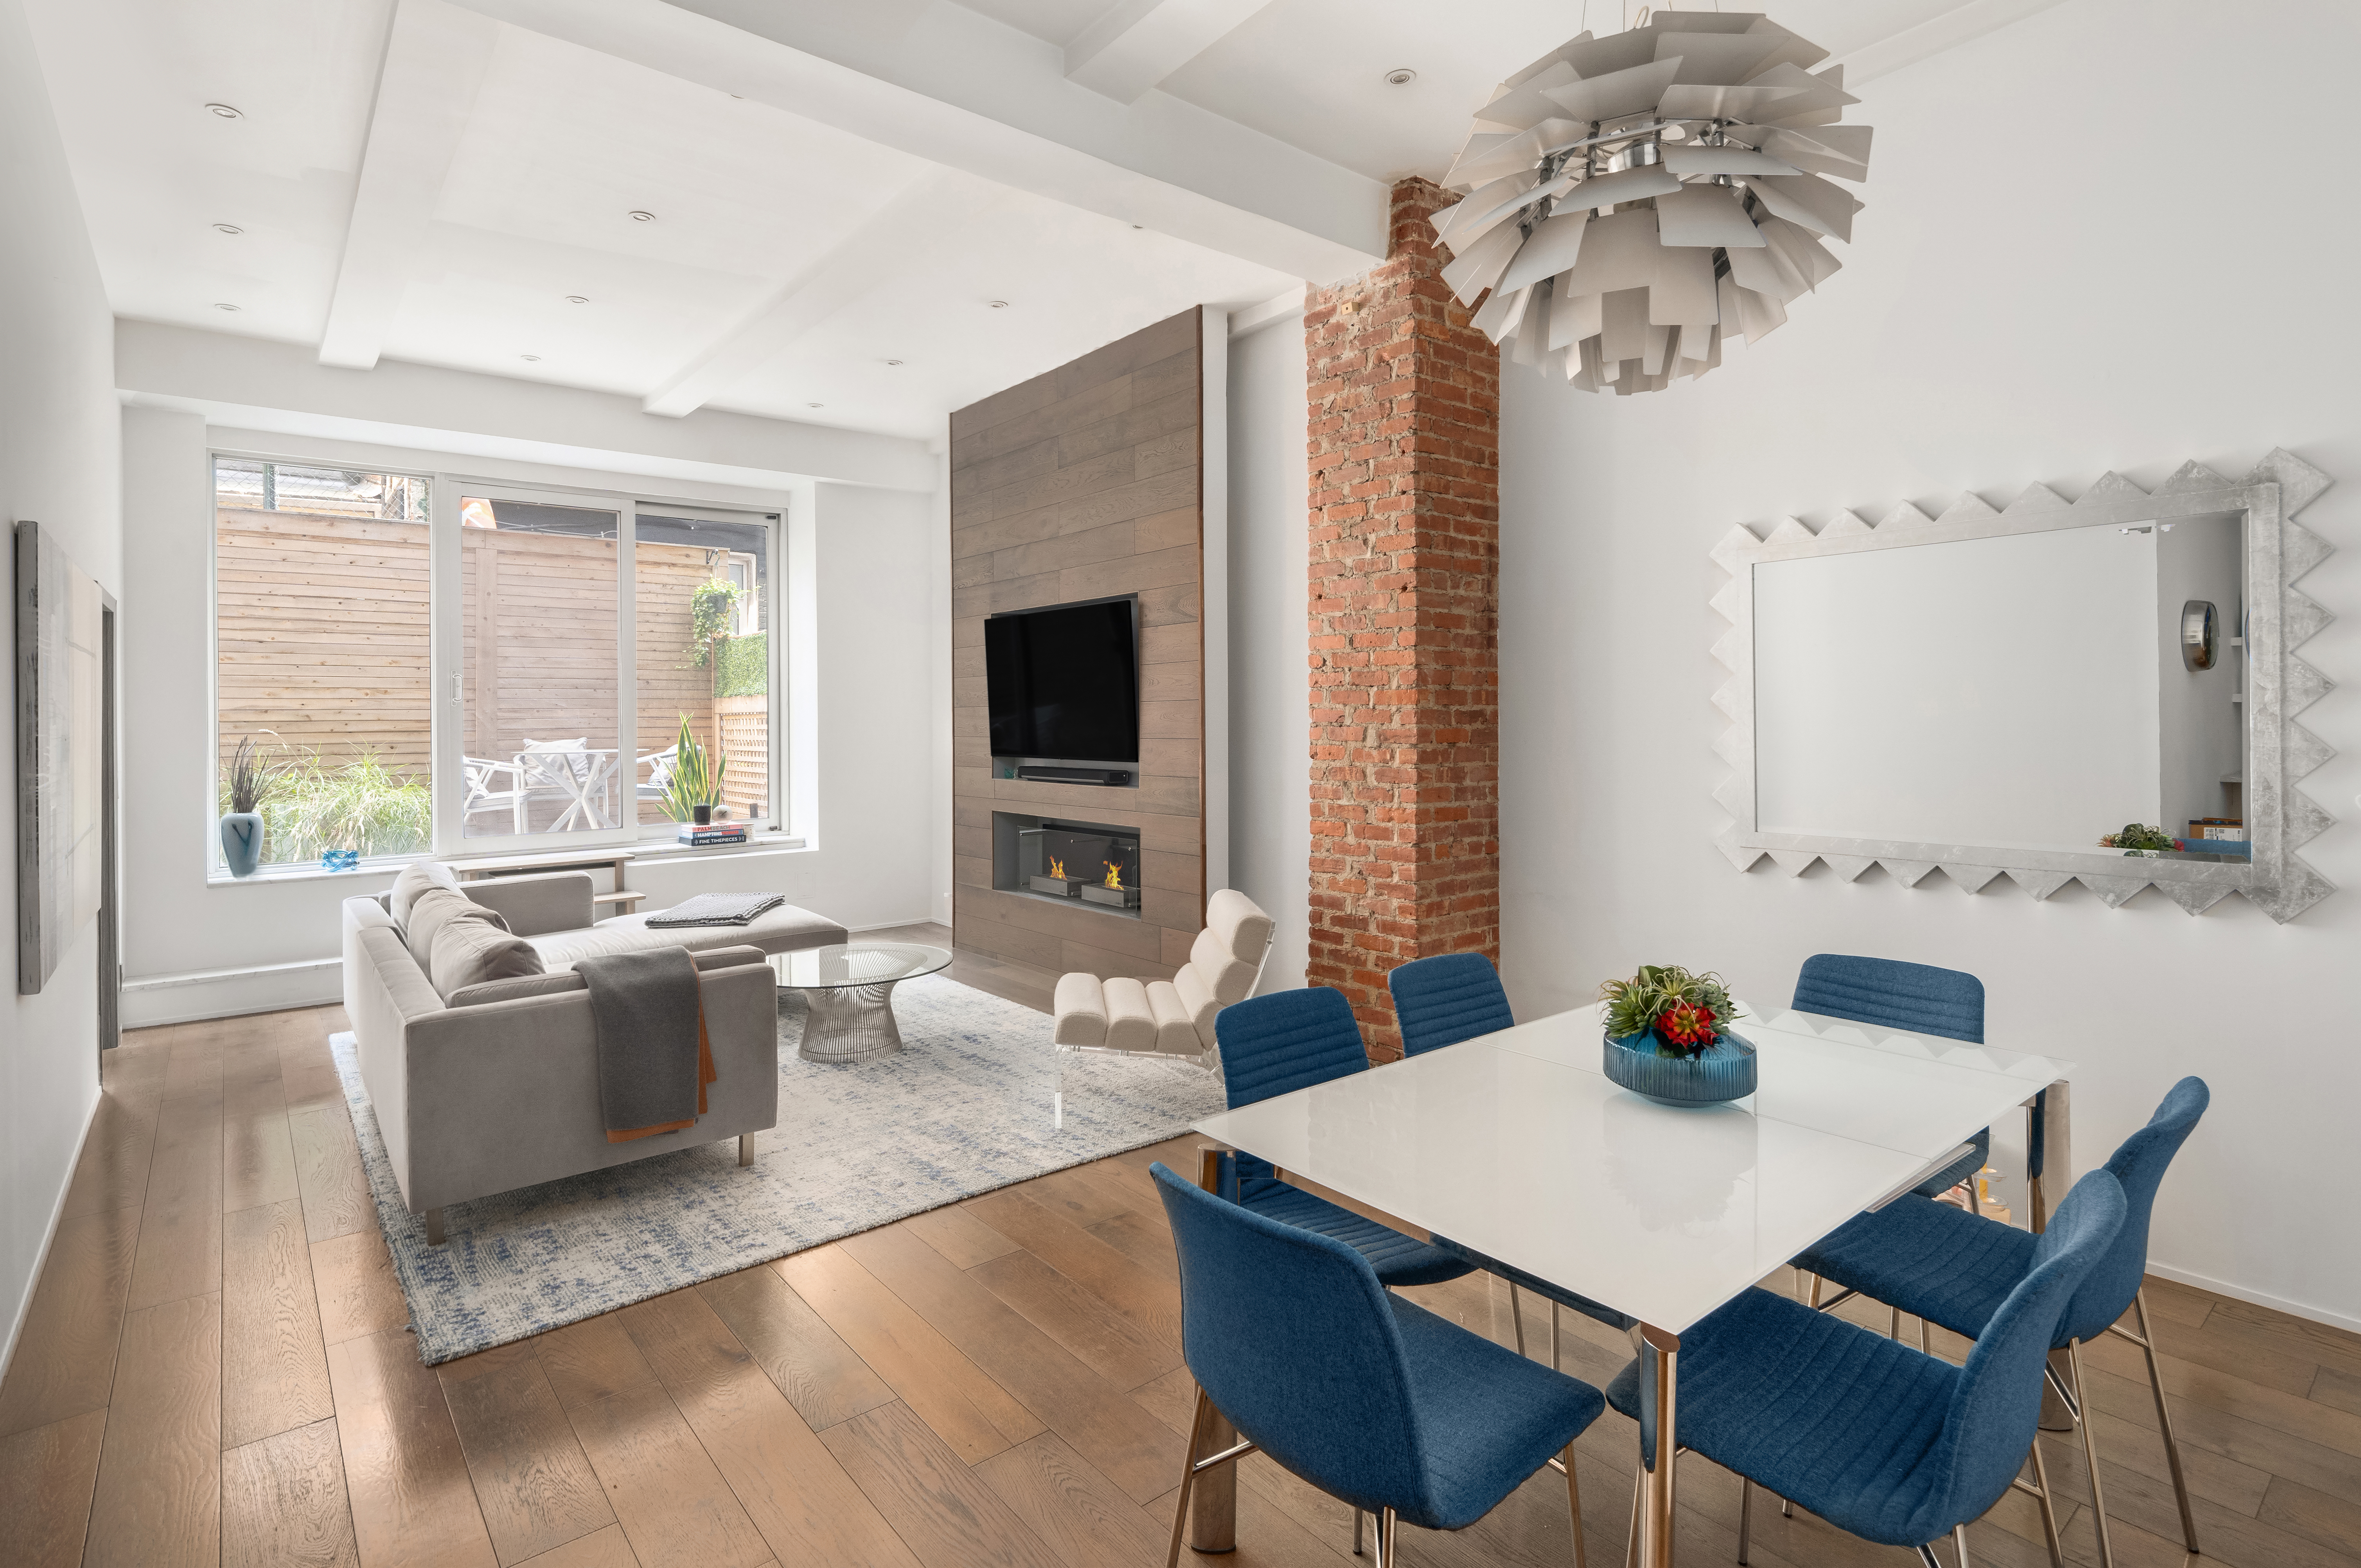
(1057, 858)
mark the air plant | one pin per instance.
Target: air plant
(249, 781)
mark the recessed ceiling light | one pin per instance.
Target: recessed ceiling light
(223, 305)
(225, 111)
(997, 304)
(893, 362)
(227, 228)
(577, 299)
(1401, 76)
(532, 356)
(639, 217)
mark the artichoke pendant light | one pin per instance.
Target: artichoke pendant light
(1635, 200)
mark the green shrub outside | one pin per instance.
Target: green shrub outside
(308, 807)
(742, 665)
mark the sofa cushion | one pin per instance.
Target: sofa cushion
(471, 951)
(1081, 1010)
(1176, 1030)
(567, 980)
(428, 914)
(1131, 1020)
(1239, 924)
(784, 929)
(416, 877)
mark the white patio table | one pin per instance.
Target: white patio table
(1516, 1144)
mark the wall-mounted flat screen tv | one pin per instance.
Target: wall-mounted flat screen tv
(1063, 685)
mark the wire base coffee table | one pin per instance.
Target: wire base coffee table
(849, 986)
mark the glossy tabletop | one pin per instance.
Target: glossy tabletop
(858, 963)
(1516, 1143)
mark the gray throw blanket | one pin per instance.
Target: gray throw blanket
(644, 1006)
(715, 909)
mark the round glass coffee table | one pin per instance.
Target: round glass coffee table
(849, 986)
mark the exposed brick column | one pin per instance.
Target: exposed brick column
(1405, 543)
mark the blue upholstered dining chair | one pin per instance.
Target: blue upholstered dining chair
(1290, 1040)
(1446, 999)
(1918, 997)
(1956, 1269)
(1873, 1436)
(1443, 1001)
(1372, 1399)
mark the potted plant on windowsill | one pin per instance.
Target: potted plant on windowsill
(695, 785)
(2134, 839)
(241, 825)
(1668, 1038)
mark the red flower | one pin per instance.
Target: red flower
(1686, 1024)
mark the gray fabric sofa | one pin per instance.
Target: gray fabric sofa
(494, 1086)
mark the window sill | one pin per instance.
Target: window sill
(645, 851)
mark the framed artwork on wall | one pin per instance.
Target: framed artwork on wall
(61, 721)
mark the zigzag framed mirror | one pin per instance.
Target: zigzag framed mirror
(2012, 693)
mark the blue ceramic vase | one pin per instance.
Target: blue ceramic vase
(241, 835)
(1723, 1070)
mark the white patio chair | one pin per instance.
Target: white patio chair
(659, 765)
(482, 778)
(566, 771)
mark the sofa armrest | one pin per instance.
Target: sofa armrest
(548, 901)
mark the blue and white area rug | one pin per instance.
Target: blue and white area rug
(963, 1108)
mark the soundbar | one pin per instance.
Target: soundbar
(1073, 776)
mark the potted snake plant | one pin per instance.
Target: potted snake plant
(695, 784)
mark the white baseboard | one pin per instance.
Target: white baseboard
(2336, 1319)
(48, 1240)
(151, 1000)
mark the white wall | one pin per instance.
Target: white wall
(860, 582)
(58, 466)
(1270, 699)
(2033, 294)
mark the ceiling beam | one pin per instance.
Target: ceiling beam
(1139, 43)
(435, 59)
(909, 230)
(951, 85)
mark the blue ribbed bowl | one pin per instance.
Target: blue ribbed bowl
(1723, 1070)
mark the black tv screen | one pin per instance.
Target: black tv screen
(1063, 685)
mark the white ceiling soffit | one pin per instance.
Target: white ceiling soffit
(1139, 43)
(256, 384)
(956, 88)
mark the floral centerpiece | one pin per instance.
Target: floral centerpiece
(1669, 1036)
(2132, 839)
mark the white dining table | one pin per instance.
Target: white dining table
(1516, 1144)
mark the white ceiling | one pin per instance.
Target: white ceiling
(832, 188)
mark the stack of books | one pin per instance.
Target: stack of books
(711, 834)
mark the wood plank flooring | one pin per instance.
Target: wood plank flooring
(216, 1370)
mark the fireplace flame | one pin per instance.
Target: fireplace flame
(1056, 867)
(1115, 873)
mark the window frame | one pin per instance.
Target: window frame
(446, 672)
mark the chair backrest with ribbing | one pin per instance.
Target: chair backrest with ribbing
(1285, 1041)
(1918, 997)
(1443, 999)
(1288, 1333)
(2138, 1166)
(1996, 1403)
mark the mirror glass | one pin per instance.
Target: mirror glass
(2031, 691)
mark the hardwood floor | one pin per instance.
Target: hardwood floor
(216, 1370)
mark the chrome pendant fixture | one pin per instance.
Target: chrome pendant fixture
(1635, 201)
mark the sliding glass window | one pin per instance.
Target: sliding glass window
(321, 639)
(551, 647)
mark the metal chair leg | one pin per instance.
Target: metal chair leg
(1928, 1558)
(1787, 1509)
(1925, 1347)
(1187, 1477)
(746, 1148)
(1632, 1550)
(1359, 1517)
(1386, 1538)
(1959, 1544)
(1815, 1303)
(1893, 1324)
(1745, 1517)
(2049, 1509)
(2164, 1422)
(1554, 1366)
(1516, 1317)
(1573, 1504)
(2090, 1453)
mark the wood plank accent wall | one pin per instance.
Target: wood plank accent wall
(1080, 484)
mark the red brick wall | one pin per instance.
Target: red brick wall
(1405, 540)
